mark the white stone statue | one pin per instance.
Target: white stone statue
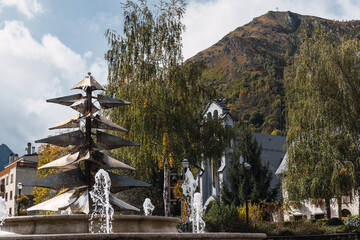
(148, 207)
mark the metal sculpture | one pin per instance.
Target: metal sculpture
(86, 156)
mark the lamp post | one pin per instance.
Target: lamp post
(247, 166)
(185, 164)
(20, 186)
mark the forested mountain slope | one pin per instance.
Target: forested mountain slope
(247, 65)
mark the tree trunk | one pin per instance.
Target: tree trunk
(166, 190)
(327, 206)
(339, 207)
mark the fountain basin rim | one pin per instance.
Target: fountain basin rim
(79, 223)
(82, 216)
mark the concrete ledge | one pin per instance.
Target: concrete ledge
(79, 223)
(139, 236)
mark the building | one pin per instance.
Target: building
(17, 170)
(5, 152)
(311, 209)
(215, 173)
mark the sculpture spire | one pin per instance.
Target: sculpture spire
(79, 180)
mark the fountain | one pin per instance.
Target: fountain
(148, 207)
(77, 175)
(196, 208)
(198, 212)
(3, 211)
(87, 157)
(103, 211)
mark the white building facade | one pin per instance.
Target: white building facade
(312, 209)
(21, 170)
(215, 171)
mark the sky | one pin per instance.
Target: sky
(47, 47)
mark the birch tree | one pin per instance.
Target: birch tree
(146, 67)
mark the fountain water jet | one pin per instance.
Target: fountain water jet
(88, 152)
(148, 207)
(198, 212)
(196, 208)
(100, 195)
(3, 211)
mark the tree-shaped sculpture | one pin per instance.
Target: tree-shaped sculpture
(86, 156)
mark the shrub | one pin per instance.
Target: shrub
(290, 228)
(255, 213)
(352, 221)
(334, 222)
(23, 200)
(223, 218)
(21, 212)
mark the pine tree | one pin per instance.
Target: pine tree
(253, 183)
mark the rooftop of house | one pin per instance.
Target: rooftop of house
(219, 103)
(273, 149)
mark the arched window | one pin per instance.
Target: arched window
(216, 114)
(345, 213)
(209, 114)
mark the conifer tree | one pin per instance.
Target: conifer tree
(256, 186)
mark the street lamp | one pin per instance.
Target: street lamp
(185, 164)
(20, 186)
(247, 166)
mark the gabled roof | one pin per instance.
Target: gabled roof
(218, 103)
(272, 152)
(282, 168)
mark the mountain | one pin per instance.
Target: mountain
(247, 65)
(5, 151)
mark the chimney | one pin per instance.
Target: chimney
(11, 157)
(29, 148)
(33, 150)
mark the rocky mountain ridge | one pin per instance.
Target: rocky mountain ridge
(247, 65)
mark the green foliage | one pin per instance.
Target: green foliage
(145, 67)
(334, 222)
(291, 228)
(257, 178)
(352, 221)
(47, 153)
(223, 218)
(23, 200)
(21, 212)
(255, 213)
(323, 128)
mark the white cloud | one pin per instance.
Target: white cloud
(31, 72)
(29, 8)
(207, 22)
